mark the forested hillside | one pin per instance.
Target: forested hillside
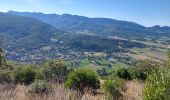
(25, 31)
(98, 26)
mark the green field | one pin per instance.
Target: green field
(101, 63)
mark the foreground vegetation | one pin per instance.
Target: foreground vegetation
(57, 80)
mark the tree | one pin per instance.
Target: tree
(82, 79)
(26, 75)
(113, 88)
(55, 70)
(139, 74)
(123, 73)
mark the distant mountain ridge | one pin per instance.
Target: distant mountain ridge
(97, 26)
(25, 31)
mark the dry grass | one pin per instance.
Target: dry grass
(11, 92)
(19, 92)
(133, 90)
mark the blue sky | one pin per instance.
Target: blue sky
(145, 12)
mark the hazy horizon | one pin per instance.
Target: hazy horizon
(144, 12)
(89, 17)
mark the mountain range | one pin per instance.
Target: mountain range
(19, 31)
(35, 30)
(97, 26)
(23, 31)
(25, 35)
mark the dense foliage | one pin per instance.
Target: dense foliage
(5, 76)
(39, 87)
(142, 69)
(82, 42)
(157, 86)
(82, 79)
(124, 73)
(26, 75)
(113, 88)
(55, 70)
(158, 83)
(138, 74)
(2, 59)
(19, 30)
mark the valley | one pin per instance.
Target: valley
(84, 50)
(50, 56)
(95, 43)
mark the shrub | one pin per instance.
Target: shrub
(81, 79)
(146, 66)
(157, 86)
(113, 88)
(55, 70)
(2, 59)
(39, 87)
(102, 72)
(39, 74)
(25, 75)
(142, 68)
(123, 73)
(5, 77)
(138, 74)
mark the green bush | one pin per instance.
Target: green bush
(146, 66)
(123, 73)
(113, 88)
(142, 68)
(5, 77)
(158, 84)
(81, 79)
(55, 70)
(138, 74)
(2, 59)
(102, 72)
(26, 75)
(39, 87)
(39, 74)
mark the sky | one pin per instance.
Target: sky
(144, 12)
